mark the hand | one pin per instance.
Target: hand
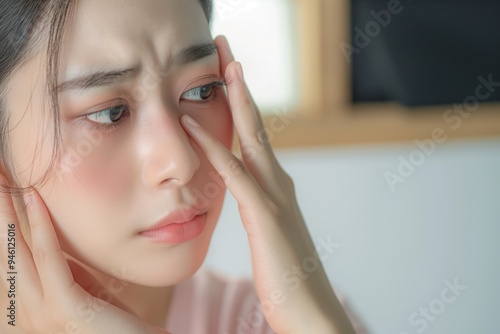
(48, 299)
(279, 240)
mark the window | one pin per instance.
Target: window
(312, 55)
(261, 36)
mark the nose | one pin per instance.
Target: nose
(168, 153)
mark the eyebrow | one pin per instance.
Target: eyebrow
(102, 78)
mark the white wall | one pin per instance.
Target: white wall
(396, 249)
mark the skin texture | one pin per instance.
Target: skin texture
(145, 168)
(155, 162)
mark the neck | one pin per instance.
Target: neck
(150, 304)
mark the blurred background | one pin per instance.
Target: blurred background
(387, 115)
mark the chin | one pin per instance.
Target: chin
(171, 272)
(174, 264)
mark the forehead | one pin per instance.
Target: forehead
(120, 32)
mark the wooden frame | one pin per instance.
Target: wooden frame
(325, 116)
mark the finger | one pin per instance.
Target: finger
(254, 142)
(21, 265)
(255, 148)
(225, 53)
(55, 274)
(227, 57)
(235, 175)
(232, 79)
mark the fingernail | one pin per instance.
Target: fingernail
(191, 121)
(239, 70)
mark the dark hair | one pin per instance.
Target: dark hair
(26, 26)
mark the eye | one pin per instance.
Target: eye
(108, 116)
(202, 93)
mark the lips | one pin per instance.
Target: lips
(176, 217)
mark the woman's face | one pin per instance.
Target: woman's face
(111, 183)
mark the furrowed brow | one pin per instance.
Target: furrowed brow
(103, 78)
(99, 79)
(195, 53)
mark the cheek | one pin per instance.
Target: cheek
(86, 162)
(106, 180)
(220, 123)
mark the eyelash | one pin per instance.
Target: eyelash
(111, 126)
(213, 85)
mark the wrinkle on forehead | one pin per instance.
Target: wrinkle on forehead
(123, 32)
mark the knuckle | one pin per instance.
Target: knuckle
(252, 143)
(231, 78)
(274, 209)
(263, 138)
(236, 166)
(289, 181)
(287, 197)
(39, 255)
(247, 102)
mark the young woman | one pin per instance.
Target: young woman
(117, 131)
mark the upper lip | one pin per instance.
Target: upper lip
(177, 217)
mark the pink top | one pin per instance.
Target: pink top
(210, 303)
